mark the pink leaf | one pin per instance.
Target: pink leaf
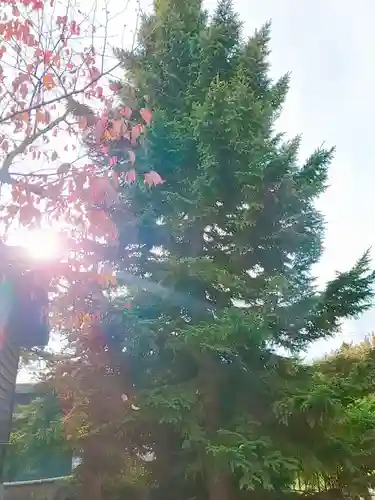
(152, 178)
(115, 177)
(101, 126)
(135, 133)
(126, 113)
(115, 87)
(5, 146)
(132, 157)
(116, 130)
(146, 115)
(113, 160)
(130, 176)
(103, 191)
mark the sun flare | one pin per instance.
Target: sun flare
(38, 244)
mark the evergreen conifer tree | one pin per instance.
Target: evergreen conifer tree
(224, 251)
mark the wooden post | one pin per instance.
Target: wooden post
(23, 323)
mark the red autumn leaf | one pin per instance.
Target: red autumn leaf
(103, 191)
(146, 115)
(135, 133)
(23, 90)
(5, 146)
(37, 5)
(116, 129)
(82, 122)
(47, 117)
(113, 161)
(115, 179)
(101, 126)
(61, 20)
(130, 176)
(56, 61)
(107, 135)
(131, 157)
(74, 28)
(115, 87)
(39, 116)
(12, 210)
(152, 178)
(39, 53)
(25, 215)
(28, 213)
(47, 56)
(49, 81)
(126, 112)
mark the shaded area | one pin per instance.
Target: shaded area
(38, 414)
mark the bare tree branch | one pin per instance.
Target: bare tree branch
(60, 98)
(19, 150)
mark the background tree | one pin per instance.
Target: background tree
(345, 382)
(219, 259)
(337, 403)
(38, 441)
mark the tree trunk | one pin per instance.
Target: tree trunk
(89, 473)
(218, 485)
(92, 487)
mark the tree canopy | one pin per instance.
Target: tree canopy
(184, 365)
(221, 260)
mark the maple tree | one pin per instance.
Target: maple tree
(59, 111)
(58, 92)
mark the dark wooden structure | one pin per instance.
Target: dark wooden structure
(23, 324)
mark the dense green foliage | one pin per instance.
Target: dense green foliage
(333, 412)
(237, 233)
(38, 446)
(344, 385)
(223, 251)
